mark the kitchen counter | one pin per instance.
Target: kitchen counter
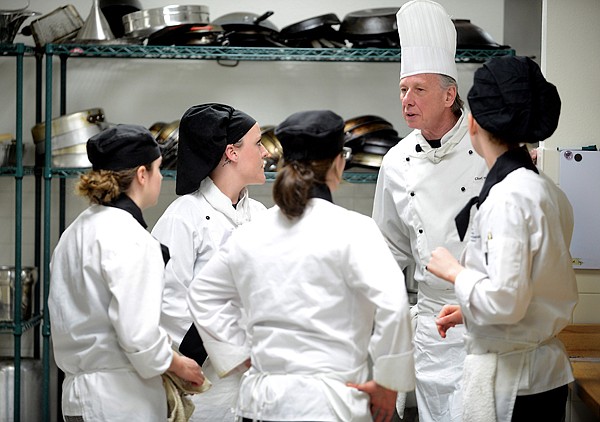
(582, 342)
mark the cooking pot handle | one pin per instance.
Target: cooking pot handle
(262, 17)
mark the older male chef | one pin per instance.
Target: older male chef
(423, 183)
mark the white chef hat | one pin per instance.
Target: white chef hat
(427, 39)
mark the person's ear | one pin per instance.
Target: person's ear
(141, 174)
(450, 95)
(231, 153)
(473, 125)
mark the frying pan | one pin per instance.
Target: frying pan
(245, 29)
(354, 138)
(367, 160)
(470, 36)
(350, 124)
(313, 32)
(371, 27)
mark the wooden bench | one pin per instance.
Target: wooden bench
(582, 342)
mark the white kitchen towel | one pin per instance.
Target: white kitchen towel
(479, 378)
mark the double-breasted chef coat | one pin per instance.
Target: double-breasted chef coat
(419, 192)
(194, 227)
(106, 286)
(321, 293)
(519, 289)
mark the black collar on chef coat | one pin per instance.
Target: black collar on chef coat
(125, 203)
(508, 162)
(321, 190)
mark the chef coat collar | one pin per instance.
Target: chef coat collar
(508, 162)
(222, 203)
(125, 203)
(448, 141)
(321, 191)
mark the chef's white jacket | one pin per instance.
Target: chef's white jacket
(419, 192)
(194, 227)
(519, 288)
(106, 288)
(321, 293)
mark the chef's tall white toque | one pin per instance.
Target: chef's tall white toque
(427, 39)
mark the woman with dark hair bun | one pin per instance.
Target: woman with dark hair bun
(321, 292)
(515, 283)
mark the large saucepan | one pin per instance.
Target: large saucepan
(143, 23)
(68, 131)
(29, 276)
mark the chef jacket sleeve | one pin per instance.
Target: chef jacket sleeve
(180, 237)
(134, 273)
(373, 271)
(389, 202)
(215, 306)
(497, 288)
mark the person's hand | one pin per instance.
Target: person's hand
(442, 264)
(450, 316)
(383, 400)
(187, 369)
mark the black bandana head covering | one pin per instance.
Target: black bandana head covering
(511, 99)
(122, 147)
(311, 135)
(205, 130)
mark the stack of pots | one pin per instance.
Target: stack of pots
(167, 136)
(370, 137)
(273, 147)
(69, 135)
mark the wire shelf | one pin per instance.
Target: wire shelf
(252, 53)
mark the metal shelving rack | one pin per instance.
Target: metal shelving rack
(219, 53)
(18, 326)
(129, 51)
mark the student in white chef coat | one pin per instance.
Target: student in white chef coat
(423, 182)
(106, 286)
(321, 290)
(515, 283)
(219, 154)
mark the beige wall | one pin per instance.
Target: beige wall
(570, 45)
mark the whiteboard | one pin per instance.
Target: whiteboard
(580, 180)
